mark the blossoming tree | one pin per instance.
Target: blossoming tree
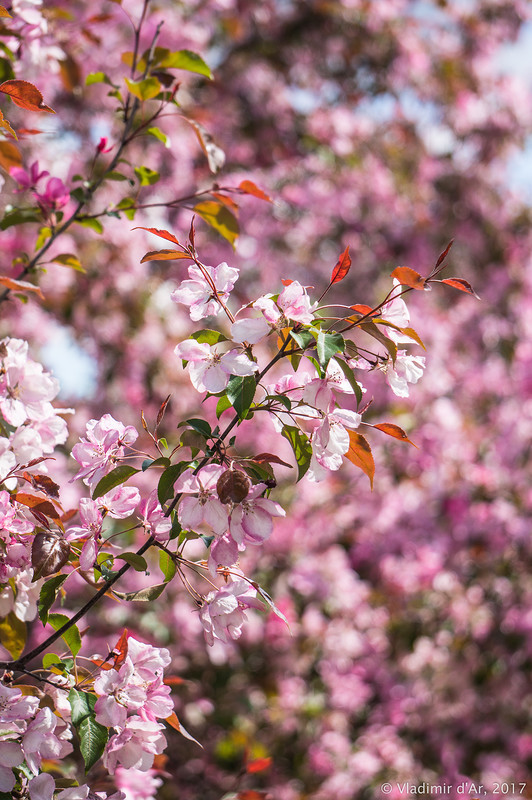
(191, 494)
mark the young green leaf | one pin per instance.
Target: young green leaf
(71, 637)
(92, 736)
(301, 447)
(114, 478)
(49, 591)
(327, 345)
(240, 392)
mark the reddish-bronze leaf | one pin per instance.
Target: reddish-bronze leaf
(49, 553)
(394, 430)
(161, 412)
(226, 201)
(25, 95)
(44, 483)
(165, 255)
(158, 232)
(120, 650)
(10, 156)
(459, 283)
(258, 764)
(4, 123)
(409, 277)
(360, 308)
(173, 680)
(39, 505)
(21, 286)
(342, 267)
(4, 12)
(269, 458)
(248, 187)
(360, 454)
(442, 256)
(173, 721)
(286, 281)
(251, 794)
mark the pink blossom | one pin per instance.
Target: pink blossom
(24, 385)
(120, 502)
(14, 706)
(209, 370)
(135, 746)
(223, 552)
(154, 520)
(149, 661)
(91, 527)
(54, 197)
(27, 179)
(102, 449)
(46, 737)
(121, 691)
(206, 507)
(223, 613)
(407, 369)
(292, 304)
(319, 392)
(103, 147)
(137, 785)
(251, 520)
(330, 441)
(250, 330)
(396, 312)
(198, 294)
(11, 755)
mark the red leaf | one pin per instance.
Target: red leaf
(173, 721)
(120, 649)
(360, 455)
(286, 281)
(161, 412)
(21, 286)
(248, 187)
(394, 430)
(38, 504)
(342, 267)
(258, 765)
(270, 458)
(165, 255)
(158, 232)
(409, 277)
(442, 256)
(49, 553)
(173, 680)
(464, 286)
(360, 308)
(25, 95)
(251, 794)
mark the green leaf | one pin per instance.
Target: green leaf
(138, 563)
(146, 176)
(117, 176)
(302, 338)
(163, 461)
(208, 336)
(240, 393)
(143, 595)
(201, 426)
(301, 447)
(220, 218)
(166, 565)
(223, 404)
(114, 478)
(165, 488)
(93, 224)
(92, 736)
(49, 591)
(187, 60)
(51, 660)
(18, 217)
(158, 134)
(13, 634)
(127, 205)
(327, 345)
(350, 375)
(372, 329)
(71, 637)
(97, 77)
(68, 260)
(145, 89)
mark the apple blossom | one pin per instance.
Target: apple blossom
(293, 304)
(223, 612)
(135, 746)
(198, 292)
(206, 507)
(250, 522)
(103, 448)
(209, 370)
(407, 369)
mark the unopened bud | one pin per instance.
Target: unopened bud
(233, 486)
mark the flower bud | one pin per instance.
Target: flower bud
(233, 486)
